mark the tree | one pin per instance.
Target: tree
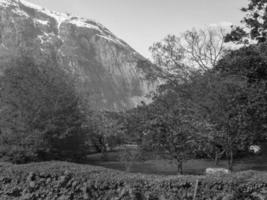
(215, 109)
(199, 49)
(210, 143)
(219, 100)
(250, 63)
(180, 59)
(224, 106)
(40, 112)
(169, 129)
(255, 23)
(224, 91)
(106, 130)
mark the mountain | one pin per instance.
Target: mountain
(110, 73)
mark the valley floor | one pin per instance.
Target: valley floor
(166, 167)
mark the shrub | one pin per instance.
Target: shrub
(73, 181)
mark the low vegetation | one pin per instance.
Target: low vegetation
(61, 180)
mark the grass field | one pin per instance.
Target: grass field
(166, 167)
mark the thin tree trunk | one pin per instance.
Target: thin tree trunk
(218, 157)
(103, 153)
(216, 160)
(180, 166)
(230, 159)
(229, 150)
(128, 165)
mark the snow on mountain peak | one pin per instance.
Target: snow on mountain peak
(62, 17)
(31, 5)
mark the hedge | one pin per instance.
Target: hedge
(67, 181)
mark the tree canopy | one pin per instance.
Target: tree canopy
(40, 112)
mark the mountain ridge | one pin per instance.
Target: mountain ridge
(104, 65)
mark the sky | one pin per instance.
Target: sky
(141, 23)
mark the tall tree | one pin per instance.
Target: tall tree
(250, 63)
(222, 102)
(221, 99)
(169, 129)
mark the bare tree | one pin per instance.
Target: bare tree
(199, 49)
(204, 47)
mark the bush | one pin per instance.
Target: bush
(72, 181)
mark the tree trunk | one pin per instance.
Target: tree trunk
(180, 166)
(230, 160)
(229, 150)
(103, 147)
(128, 165)
(216, 159)
(103, 153)
(218, 156)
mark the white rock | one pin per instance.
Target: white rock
(254, 148)
(213, 171)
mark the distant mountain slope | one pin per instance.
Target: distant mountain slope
(106, 67)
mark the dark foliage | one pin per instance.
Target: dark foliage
(255, 20)
(250, 62)
(40, 114)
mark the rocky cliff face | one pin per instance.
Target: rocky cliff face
(105, 67)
